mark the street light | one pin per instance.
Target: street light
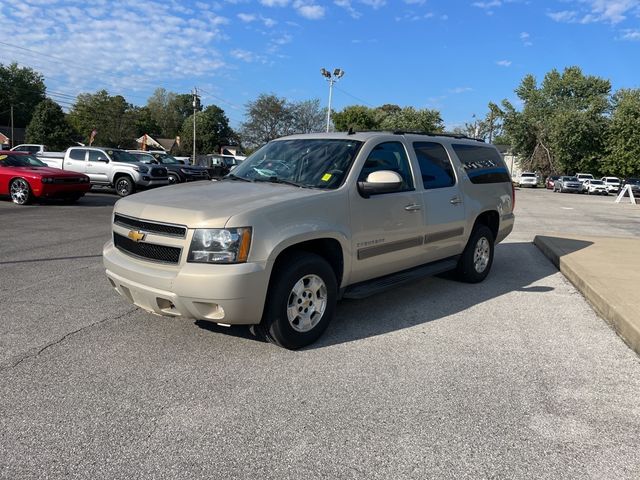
(332, 78)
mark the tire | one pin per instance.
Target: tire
(301, 300)
(173, 178)
(20, 192)
(476, 260)
(124, 186)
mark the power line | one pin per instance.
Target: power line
(354, 97)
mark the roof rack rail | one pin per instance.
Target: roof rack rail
(459, 136)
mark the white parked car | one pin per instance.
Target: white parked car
(595, 187)
(528, 179)
(612, 184)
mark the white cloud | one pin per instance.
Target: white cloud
(309, 11)
(526, 39)
(504, 63)
(592, 11)
(346, 4)
(247, 17)
(459, 90)
(488, 5)
(633, 35)
(274, 3)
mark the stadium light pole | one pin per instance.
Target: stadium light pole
(332, 78)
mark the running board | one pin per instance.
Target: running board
(378, 285)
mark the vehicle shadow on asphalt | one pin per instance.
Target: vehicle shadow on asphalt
(517, 267)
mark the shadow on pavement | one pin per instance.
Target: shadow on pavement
(516, 267)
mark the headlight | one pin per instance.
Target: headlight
(216, 245)
(47, 180)
(141, 169)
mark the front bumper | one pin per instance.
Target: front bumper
(230, 294)
(146, 181)
(55, 190)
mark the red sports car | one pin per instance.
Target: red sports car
(24, 177)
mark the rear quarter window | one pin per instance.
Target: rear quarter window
(482, 164)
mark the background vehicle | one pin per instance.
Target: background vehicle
(308, 219)
(612, 184)
(567, 184)
(217, 165)
(177, 171)
(24, 177)
(29, 148)
(528, 179)
(582, 177)
(594, 187)
(634, 183)
(550, 181)
(109, 167)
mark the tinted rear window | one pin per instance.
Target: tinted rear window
(482, 164)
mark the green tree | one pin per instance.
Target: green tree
(268, 117)
(113, 118)
(23, 88)
(623, 137)
(357, 117)
(49, 126)
(307, 116)
(562, 125)
(169, 110)
(411, 119)
(212, 131)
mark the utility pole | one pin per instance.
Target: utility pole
(195, 108)
(12, 143)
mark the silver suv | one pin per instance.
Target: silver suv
(306, 220)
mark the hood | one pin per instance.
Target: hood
(207, 204)
(49, 172)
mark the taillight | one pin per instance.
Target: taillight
(513, 197)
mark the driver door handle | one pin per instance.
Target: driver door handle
(413, 207)
(455, 201)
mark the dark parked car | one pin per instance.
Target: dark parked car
(549, 182)
(177, 171)
(567, 184)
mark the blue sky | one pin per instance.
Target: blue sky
(454, 56)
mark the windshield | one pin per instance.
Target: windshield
(21, 161)
(144, 157)
(167, 159)
(121, 156)
(528, 174)
(315, 163)
(585, 176)
(635, 181)
(597, 182)
(569, 179)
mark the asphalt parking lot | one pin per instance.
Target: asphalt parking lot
(516, 377)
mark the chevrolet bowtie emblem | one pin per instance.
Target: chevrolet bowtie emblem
(136, 235)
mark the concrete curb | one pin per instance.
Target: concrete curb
(605, 271)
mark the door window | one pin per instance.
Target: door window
(96, 156)
(389, 156)
(435, 166)
(77, 154)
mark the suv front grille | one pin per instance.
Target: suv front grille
(158, 172)
(168, 230)
(147, 251)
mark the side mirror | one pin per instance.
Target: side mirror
(383, 181)
(103, 159)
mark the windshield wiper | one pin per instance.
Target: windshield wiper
(231, 176)
(283, 181)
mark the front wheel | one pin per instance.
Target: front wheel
(124, 186)
(301, 300)
(20, 192)
(173, 179)
(476, 260)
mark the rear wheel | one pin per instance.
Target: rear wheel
(124, 186)
(20, 192)
(476, 260)
(301, 300)
(173, 179)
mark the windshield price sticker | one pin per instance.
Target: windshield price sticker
(326, 177)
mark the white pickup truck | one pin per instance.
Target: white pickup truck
(108, 167)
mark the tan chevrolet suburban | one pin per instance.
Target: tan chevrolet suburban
(309, 219)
